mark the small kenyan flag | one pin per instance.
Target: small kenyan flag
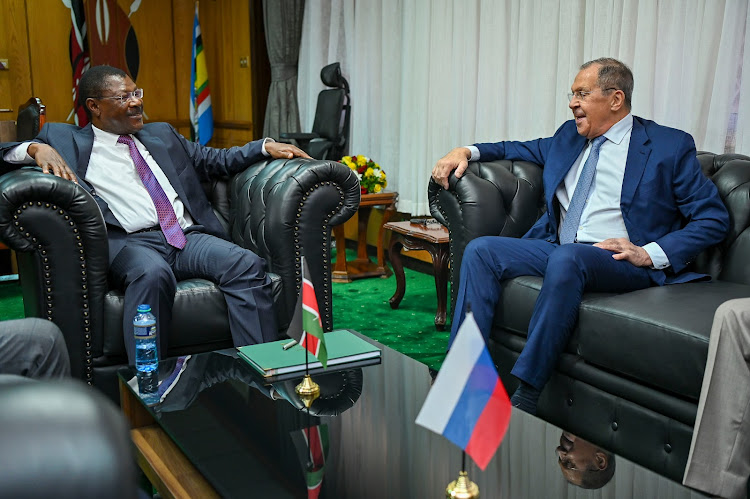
(306, 327)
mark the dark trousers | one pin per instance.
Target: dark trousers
(148, 269)
(568, 271)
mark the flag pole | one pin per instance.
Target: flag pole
(308, 390)
(463, 487)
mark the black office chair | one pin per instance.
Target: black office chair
(330, 133)
(31, 118)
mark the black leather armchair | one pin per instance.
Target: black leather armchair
(280, 209)
(330, 133)
(630, 377)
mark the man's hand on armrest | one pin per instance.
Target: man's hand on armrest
(50, 161)
(280, 150)
(625, 250)
(457, 159)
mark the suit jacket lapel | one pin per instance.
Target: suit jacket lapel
(158, 151)
(638, 153)
(84, 141)
(566, 156)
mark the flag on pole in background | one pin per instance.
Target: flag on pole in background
(201, 115)
(78, 49)
(306, 327)
(467, 404)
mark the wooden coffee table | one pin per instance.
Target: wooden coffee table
(433, 238)
(344, 271)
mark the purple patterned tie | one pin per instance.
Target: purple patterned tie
(164, 210)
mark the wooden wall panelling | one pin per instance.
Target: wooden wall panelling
(226, 39)
(49, 60)
(15, 83)
(260, 67)
(237, 105)
(40, 65)
(157, 73)
(183, 12)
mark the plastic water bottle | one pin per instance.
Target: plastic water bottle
(146, 354)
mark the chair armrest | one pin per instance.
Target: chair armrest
(298, 135)
(58, 232)
(496, 198)
(282, 209)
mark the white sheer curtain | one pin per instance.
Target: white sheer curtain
(428, 75)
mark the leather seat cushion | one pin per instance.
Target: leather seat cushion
(516, 306)
(657, 335)
(199, 318)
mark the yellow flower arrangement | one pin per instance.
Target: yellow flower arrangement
(371, 176)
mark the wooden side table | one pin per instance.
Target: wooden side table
(434, 239)
(344, 271)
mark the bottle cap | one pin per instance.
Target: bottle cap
(142, 309)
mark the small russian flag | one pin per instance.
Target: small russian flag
(468, 404)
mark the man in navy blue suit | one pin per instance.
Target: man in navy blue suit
(160, 225)
(627, 208)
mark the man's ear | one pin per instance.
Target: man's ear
(600, 461)
(93, 107)
(618, 100)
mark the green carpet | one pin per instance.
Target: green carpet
(361, 305)
(11, 304)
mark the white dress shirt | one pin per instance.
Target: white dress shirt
(602, 216)
(124, 192)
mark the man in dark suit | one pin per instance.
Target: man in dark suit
(160, 225)
(627, 207)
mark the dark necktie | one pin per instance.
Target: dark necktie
(164, 210)
(580, 195)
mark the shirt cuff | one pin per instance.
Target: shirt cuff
(19, 155)
(659, 259)
(263, 147)
(474, 152)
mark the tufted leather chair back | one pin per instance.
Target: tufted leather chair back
(512, 199)
(730, 260)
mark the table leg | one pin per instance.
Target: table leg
(364, 218)
(440, 266)
(394, 254)
(340, 273)
(440, 257)
(387, 214)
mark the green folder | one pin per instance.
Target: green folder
(270, 359)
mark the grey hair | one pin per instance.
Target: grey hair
(614, 74)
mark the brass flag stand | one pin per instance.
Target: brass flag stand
(308, 390)
(462, 488)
